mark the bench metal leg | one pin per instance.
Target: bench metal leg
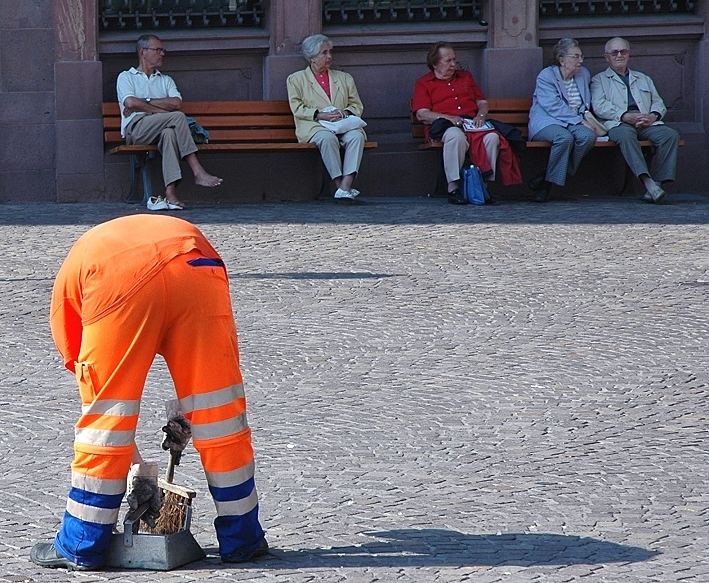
(441, 186)
(134, 164)
(139, 164)
(147, 185)
(324, 182)
(629, 177)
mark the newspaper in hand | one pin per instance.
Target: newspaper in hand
(468, 126)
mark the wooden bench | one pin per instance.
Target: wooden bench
(515, 112)
(234, 126)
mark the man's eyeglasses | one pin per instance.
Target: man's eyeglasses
(618, 53)
(160, 50)
(575, 57)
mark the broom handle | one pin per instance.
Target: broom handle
(174, 461)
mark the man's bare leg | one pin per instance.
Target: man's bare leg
(171, 194)
(201, 176)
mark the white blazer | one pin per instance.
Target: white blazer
(609, 96)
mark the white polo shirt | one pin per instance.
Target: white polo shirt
(135, 83)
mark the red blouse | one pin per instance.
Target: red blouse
(456, 96)
(323, 80)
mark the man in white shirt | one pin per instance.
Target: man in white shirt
(150, 114)
(631, 109)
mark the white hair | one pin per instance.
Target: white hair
(311, 45)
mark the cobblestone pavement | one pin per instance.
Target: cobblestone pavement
(438, 393)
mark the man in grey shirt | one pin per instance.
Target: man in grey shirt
(150, 114)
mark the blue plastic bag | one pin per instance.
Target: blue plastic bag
(474, 186)
(199, 134)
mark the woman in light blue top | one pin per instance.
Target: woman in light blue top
(561, 96)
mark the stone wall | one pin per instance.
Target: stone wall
(27, 110)
(55, 152)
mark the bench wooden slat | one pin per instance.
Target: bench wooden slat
(234, 126)
(248, 122)
(514, 111)
(510, 103)
(230, 135)
(252, 135)
(541, 144)
(225, 121)
(222, 121)
(231, 147)
(218, 108)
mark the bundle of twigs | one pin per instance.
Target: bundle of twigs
(176, 500)
(174, 510)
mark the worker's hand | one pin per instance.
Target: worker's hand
(143, 488)
(178, 432)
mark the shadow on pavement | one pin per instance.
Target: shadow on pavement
(313, 275)
(681, 209)
(439, 547)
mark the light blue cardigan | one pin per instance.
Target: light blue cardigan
(550, 103)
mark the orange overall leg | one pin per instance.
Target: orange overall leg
(201, 351)
(114, 360)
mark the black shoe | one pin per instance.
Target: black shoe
(242, 557)
(45, 555)
(536, 183)
(456, 197)
(540, 187)
(541, 195)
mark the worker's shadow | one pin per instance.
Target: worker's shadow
(438, 547)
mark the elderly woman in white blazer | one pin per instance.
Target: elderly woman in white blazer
(319, 93)
(561, 96)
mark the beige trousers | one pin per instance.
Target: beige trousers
(172, 135)
(329, 145)
(455, 145)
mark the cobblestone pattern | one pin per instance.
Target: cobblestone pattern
(515, 393)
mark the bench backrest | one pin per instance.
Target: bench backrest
(226, 121)
(513, 111)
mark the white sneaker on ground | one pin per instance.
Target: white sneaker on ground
(339, 193)
(354, 192)
(656, 192)
(157, 203)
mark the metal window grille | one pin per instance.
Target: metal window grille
(179, 14)
(613, 7)
(392, 11)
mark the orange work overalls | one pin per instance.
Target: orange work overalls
(129, 289)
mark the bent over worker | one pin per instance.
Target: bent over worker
(129, 289)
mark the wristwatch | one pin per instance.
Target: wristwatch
(147, 100)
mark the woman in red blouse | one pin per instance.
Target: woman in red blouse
(451, 95)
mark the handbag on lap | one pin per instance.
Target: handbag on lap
(597, 127)
(346, 124)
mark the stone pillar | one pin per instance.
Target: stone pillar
(513, 57)
(27, 47)
(702, 75)
(290, 22)
(78, 96)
